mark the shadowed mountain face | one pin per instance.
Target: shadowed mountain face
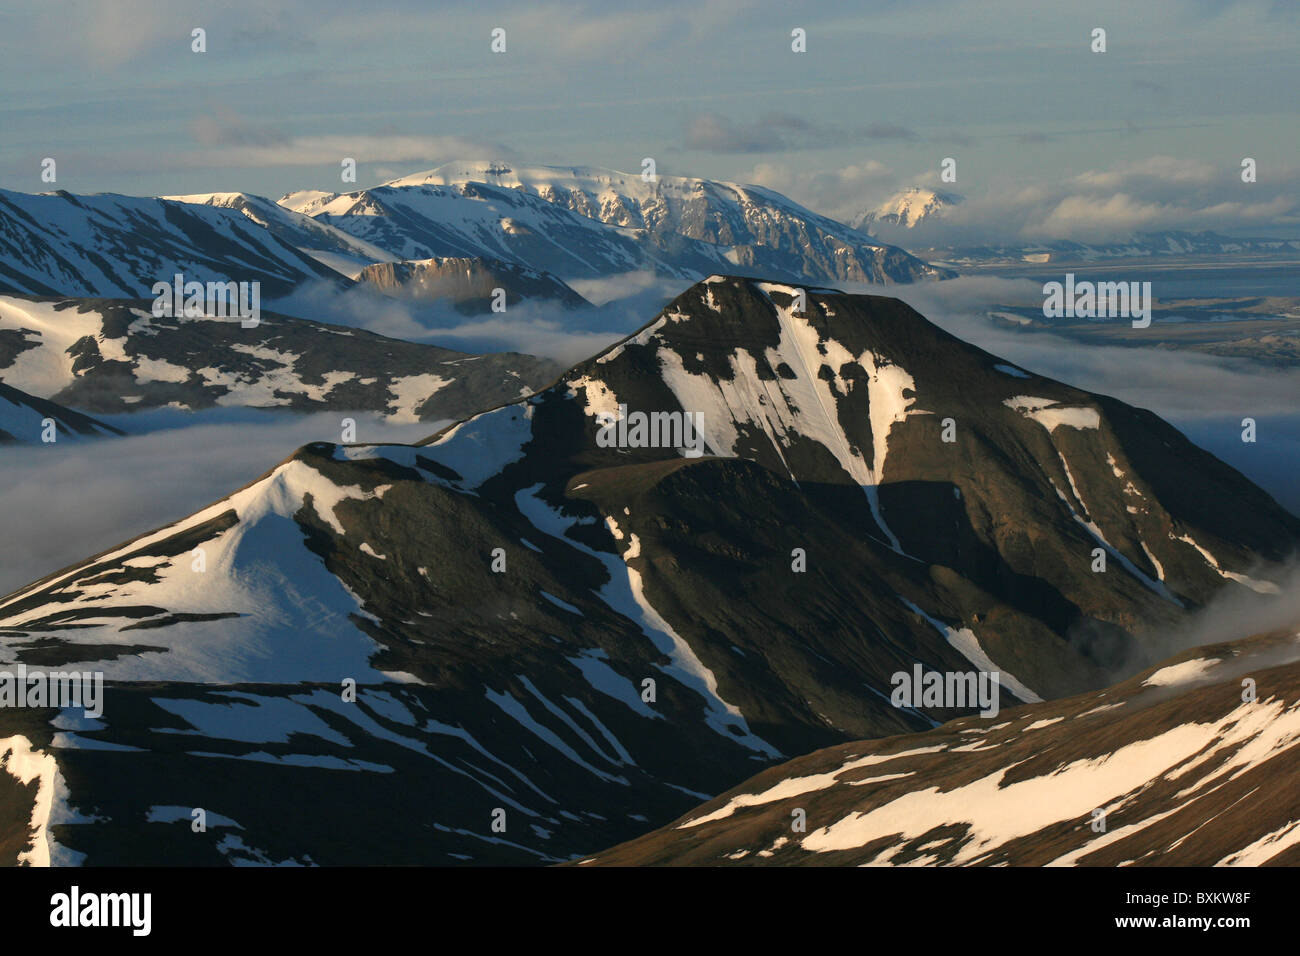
(28, 419)
(592, 636)
(114, 355)
(1178, 766)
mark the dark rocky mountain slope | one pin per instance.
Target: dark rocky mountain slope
(503, 593)
(1172, 767)
(29, 419)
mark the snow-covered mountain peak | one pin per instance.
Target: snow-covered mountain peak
(681, 226)
(910, 207)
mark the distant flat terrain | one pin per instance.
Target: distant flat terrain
(1262, 328)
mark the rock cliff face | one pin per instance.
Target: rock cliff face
(469, 283)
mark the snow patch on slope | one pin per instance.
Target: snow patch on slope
(50, 807)
(293, 618)
(1051, 415)
(1259, 587)
(997, 812)
(479, 448)
(625, 594)
(1187, 672)
(968, 645)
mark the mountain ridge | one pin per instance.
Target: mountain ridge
(109, 245)
(685, 226)
(25, 418)
(114, 355)
(502, 591)
(1165, 768)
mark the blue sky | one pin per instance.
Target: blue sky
(1049, 137)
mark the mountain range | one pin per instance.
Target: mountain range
(114, 355)
(77, 274)
(582, 642)
(643, 609)
(114, 246)
(686, 226)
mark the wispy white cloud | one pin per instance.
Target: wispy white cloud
(265, 146)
